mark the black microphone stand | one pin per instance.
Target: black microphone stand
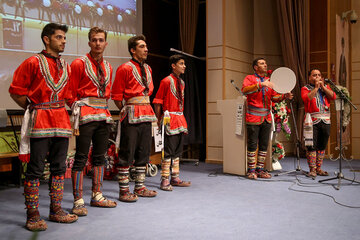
(297, 145)
(340, 175)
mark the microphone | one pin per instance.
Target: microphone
(232, 82)
(329, 81)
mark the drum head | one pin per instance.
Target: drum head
(284, 80)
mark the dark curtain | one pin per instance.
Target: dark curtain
(188, 18)
(192, 105)
(293, 32)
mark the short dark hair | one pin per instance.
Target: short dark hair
(255, 62)
(50, 29)
(310, 71)
(175, 58)
(95, 30)
(133, 42)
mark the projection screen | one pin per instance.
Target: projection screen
(22, 22)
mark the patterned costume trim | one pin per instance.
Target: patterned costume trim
(97, 178)
(45, 71)
(93, 76)
(319, 158)
(251, 89)
(123, 179)
(251, 161)
(95, 117)
(165, 168)
(262, 112)
(174, 91)
(31, 193)
(175, 168)
(56, 190)
(176, 130)
(77, 184)
(140, 119)
(261, 161)
(140, 177)
(137, 76)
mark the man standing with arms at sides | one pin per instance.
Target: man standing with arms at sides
(40, 85)
(91, 82)
(133, 84)
(259, 93)
(170, 97)
(317, 96)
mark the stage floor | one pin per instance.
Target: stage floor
(216, 206)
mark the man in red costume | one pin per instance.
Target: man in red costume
(40, 85)
(317, 96)
(133, 85)
(91, 82)
(258, 90)
(170, 97)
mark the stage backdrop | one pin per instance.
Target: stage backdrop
(21, 23)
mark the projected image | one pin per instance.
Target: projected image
(118, 16)
(21, 23)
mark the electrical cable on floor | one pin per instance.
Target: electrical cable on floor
(302, 184)
(319, 193)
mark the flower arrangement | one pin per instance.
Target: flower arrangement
(278, 151)
(281, 118)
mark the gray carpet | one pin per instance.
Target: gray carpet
(216, 206)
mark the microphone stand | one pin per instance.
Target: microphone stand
(297, 144)
(340, 175)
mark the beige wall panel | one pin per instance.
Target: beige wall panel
(230, 91)
(214, 22)
(214, 154)
(355, 148)
(214, 125)
(239, 20)
(356, 127)
(212, 108)
(356, 75)
(355, 96)
(266, 28)
(214, 85)
(238, 54)
(356, 65)
(215, 51)
(215, 63)
(235, 65)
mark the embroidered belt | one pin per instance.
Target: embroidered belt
(94, 101)
(141, 100)
(49, 105)
(320, 115)
(261, 112)
(177, 113)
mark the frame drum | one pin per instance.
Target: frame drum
(284, 80)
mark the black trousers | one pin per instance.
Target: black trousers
(98, 132)
(135, 143)
(258, 134)
(321, 134)
(54, 149)
(173, 145)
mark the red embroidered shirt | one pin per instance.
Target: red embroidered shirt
(167, 96)
(85, 83)
(259, 100)
(127, 85)
(39, 78)
(318, 106)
